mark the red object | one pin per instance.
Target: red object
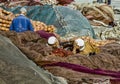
(64, 2)
(61, 52)
(44, 34)
(115, 81)
(76, 67)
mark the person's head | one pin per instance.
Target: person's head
(23, 11)
(79, 43)
(53, 41)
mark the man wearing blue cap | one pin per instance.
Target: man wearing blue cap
(21, 23)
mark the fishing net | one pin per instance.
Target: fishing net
(68, 22)
(34, 47)
(16, 68)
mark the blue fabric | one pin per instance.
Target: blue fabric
(21, 24)
(72, 22)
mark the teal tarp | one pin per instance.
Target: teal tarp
(67, 21)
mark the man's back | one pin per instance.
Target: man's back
(21, 24)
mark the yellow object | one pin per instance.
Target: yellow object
(90, 49)
(4, 29)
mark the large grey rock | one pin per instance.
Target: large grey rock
(16, 68)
